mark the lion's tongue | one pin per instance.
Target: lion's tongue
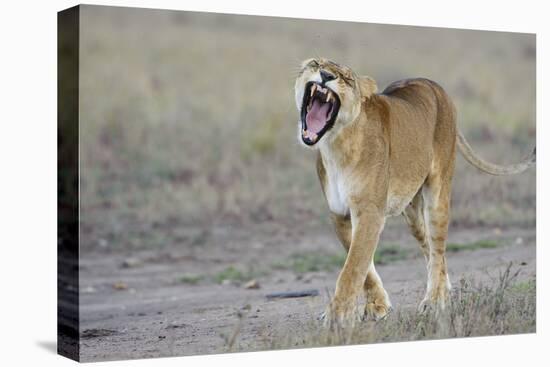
(317, 116)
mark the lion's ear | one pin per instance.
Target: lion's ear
(367, 86)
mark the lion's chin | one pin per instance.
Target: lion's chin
(308, 143)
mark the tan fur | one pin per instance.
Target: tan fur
(387, 154)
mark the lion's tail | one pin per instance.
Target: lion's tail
(491, 168)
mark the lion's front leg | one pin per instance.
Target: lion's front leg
(367, 224)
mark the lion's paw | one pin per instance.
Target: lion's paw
(340, 315)
(377, 311)
(433, 303)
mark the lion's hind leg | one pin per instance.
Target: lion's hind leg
(437, 198)
(414, 216)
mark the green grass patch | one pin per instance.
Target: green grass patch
(386, 254)
(312, 262)
(457, 247)
(315, 262)
(190, 278)
(236, 275)
(231, 273)
(521, 288)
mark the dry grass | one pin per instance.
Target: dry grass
(505, 307)
(188, 119)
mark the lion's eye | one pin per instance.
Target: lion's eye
(313, 63)
(347, 79)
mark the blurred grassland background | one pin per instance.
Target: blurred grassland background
(188, 120)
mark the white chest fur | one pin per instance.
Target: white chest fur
(335, 187)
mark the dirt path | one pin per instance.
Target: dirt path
(140, 307)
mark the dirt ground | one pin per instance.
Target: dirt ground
(138, 307)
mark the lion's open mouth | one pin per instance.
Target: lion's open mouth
(319, 110)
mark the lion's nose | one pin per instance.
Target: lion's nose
(326, 76)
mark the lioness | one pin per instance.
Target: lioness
(383, 154)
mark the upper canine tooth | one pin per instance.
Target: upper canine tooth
(329, 95)
(313, 89)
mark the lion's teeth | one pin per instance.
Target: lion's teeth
(309, 134)
(313, 90)
(329, 95)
